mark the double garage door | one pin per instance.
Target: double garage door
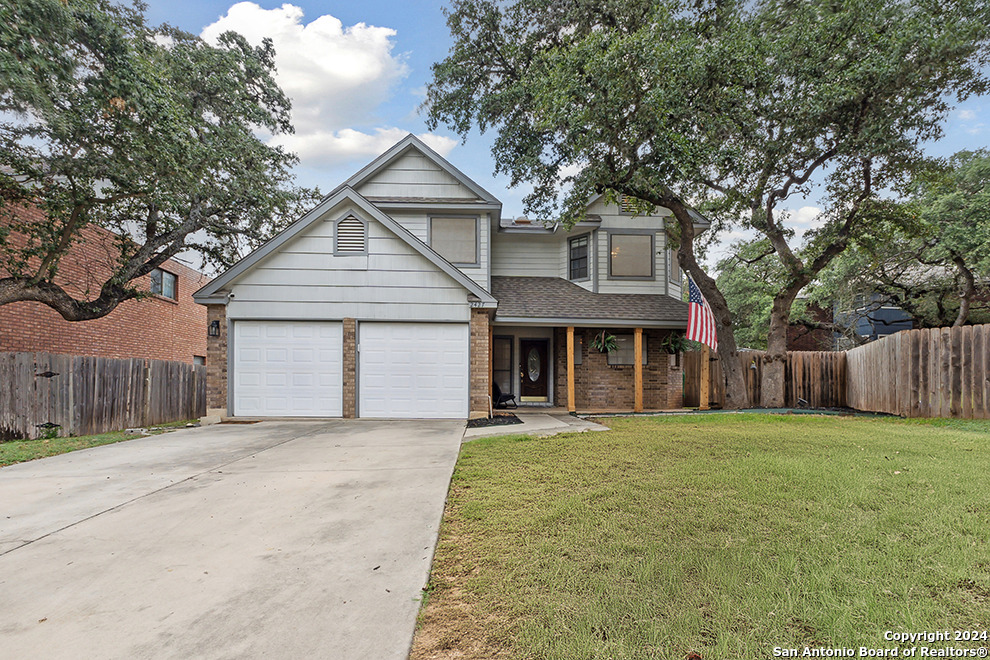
(404, 370)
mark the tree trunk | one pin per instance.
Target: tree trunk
(968, 291)
(736, 395)
(14, 289)
(775, 360)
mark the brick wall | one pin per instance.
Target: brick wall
(156, 328)
(350, 369)
(600, 386)
(216, 360)
(480, 320)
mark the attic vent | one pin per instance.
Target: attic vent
(627, 203)
(350, 235)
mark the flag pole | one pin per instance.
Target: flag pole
(705, 365)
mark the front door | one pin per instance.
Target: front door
(533, 365)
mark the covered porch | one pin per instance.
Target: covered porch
(543, 353)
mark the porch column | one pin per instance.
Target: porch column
(570, 368)
(638, 369)
(491, 363)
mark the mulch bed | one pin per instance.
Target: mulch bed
(500, 419)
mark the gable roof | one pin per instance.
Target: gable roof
(210, 292)
(402, 147)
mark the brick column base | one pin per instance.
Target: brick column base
(216, 363)
(350, 368)
(479, 363)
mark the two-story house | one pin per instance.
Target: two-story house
(405, 294)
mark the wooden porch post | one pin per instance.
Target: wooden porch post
(638, 369)
(703, 385)
(491, 362)
(570, 369)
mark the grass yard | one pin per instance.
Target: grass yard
(18, 451)
(721, 535)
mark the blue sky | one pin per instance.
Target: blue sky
(356, 85)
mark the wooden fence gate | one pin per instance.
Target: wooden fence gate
(70, 395)
(812, 379)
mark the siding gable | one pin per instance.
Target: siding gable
(413, 175)
(305, 279)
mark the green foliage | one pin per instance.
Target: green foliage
(732, 106)
(603, 342)
(148, 132)
(921, 255)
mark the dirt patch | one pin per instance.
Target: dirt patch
(452, 624)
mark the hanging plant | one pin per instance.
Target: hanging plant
(603, 342)
(675, 343)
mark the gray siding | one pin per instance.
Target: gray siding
(417, 223)
(525, 255)
(304, 280)
(414, 175)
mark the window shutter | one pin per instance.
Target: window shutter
(350, 235)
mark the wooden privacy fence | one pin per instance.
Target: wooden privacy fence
(818, 378)
(938, 372)
(85, 395)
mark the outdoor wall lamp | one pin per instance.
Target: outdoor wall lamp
(214, 329)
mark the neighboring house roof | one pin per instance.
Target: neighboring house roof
(543, 299)
(211, 292)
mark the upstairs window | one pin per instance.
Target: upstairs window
(351, 236)
(578, 258)
(455, 239)
(164, 283)
(630, 256)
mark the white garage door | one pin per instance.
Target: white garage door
(287, 368)
(413, 370)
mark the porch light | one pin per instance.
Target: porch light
(214, 329)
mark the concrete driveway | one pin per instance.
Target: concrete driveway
(306, 539)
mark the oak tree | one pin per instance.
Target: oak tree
(731, 107)
(148, 132)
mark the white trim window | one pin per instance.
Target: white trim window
(631, 256)
(164, 283)
(577, 258)
(625, 348)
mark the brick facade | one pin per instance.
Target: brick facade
(216, 360)
(156, 327)
(600, 386)
(479, 363)
(350, 369)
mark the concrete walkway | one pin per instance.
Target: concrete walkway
(272, 540)
(536, 423)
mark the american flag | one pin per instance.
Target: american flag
(701, 321)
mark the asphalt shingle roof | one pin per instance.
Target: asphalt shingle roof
(553, 297)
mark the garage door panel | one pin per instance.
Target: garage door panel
(413, 370)
(288, 368)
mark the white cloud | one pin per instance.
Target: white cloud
(337, 77)
(328, 147)
(967, 114)
(803, 219)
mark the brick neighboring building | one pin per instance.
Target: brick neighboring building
(157, 327)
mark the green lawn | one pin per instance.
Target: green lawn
(18, 451)
(725, 535)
